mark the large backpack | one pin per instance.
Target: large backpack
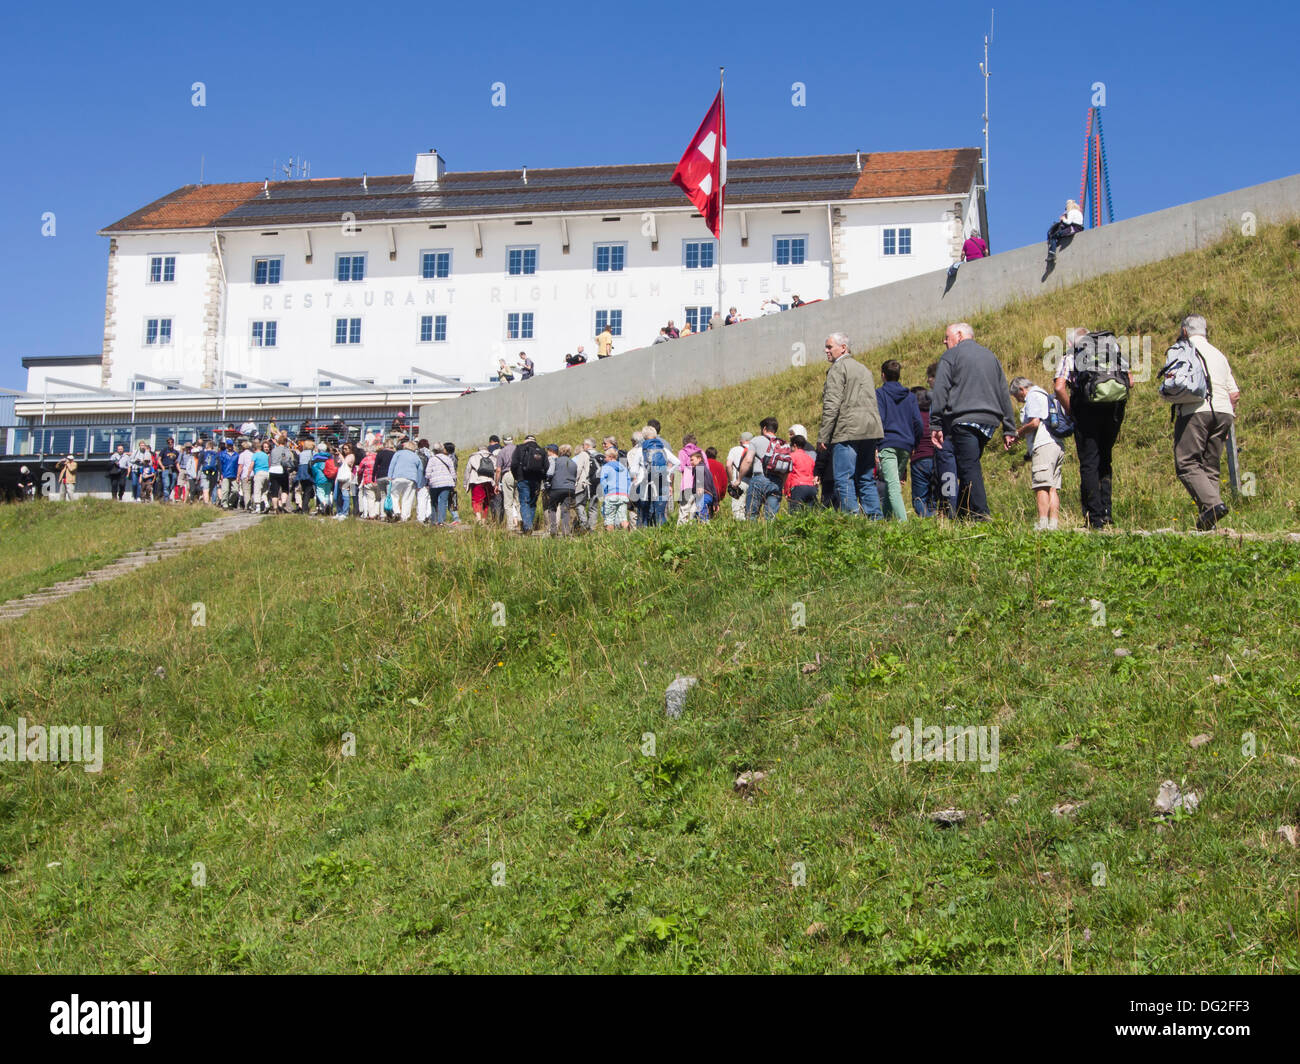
(779, 460)
(1100, 369)
(1185, 378)
(331, 468)
(594, 463)
(533, 463)
(487, 466)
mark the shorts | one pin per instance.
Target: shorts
(615, 509)
(1046, 466)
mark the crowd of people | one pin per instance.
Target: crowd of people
(871, 442)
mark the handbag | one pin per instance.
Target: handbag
(388, 500)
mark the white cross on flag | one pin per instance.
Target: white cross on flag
(702, 173)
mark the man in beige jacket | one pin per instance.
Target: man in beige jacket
(1201, 428)
(850, 429)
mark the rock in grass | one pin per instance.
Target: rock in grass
(1067, 809)
(1169, 798)
(675, 697)
(746, 782)
(1199, 740)
(947, 818)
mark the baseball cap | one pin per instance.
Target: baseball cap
(798, 430)
(510, 439)
(745, 437)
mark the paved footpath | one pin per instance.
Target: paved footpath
(209, 532)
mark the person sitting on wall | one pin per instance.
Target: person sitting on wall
(526, 364)
(505, 374)
(1070, 222)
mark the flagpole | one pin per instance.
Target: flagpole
(722, 192)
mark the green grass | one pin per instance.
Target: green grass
(1247, 287)
(45, 542)
(517, 753)
(518, 801)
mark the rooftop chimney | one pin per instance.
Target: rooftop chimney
(429, 167)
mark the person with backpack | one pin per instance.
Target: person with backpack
(304, 484)
(703, 495)
(169, 457)
(440, 474)
(900, 417)
(229, 459)
(283, 464)
(719, 474)
(767, 462)
(659, 464)
(529, 466)
(1093, 384)
(261, 477)
(210, 467)
(480, 472)
(1043, 421)
(737, 488)
(587, 498)
(344, 481)
(971, 398)
(323, 468)
(1198, 384)
(850, 428)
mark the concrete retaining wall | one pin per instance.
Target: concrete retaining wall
(768, 345)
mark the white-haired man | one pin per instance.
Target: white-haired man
(969, 399)
(1201, 428)
(850, 428)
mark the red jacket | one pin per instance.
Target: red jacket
(719, 477)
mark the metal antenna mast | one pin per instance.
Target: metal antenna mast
(984, 70)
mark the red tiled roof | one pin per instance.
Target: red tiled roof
(801, 179)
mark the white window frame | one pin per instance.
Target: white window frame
(896, 230)
(268, 259)
(699, 326)
(433, 329)
(171, 332)
(264, 322)
(364, 256)
(790, 265)
(532, 325)
(595, 254)
(697, 240)
(606, 311)
(162, 257)
(334, 326)
(451, 259)
(536, 249)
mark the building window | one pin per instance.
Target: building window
(610, 258)
(519, 325)
(612, 318)
(698, 254)
(158, 332)
(137, 386)
(325, 382)
(240, 385)
(282, 384)
(433, 328)
(347, 330)
(435, 265)
(409, 380)
(790, 250)
(264, 333)
(350, 268)
(521, 261)
(898, 241)
(267, 271)
(162, 269)
(698, 318)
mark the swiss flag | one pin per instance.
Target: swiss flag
(702, 173)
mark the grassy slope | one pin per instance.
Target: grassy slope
(477, 745)
(1248, 288)
(45, 542)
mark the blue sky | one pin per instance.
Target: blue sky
(98, 119)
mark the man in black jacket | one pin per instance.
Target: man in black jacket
(970, 398)
(528, 465)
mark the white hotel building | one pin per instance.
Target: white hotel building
(363, 296)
